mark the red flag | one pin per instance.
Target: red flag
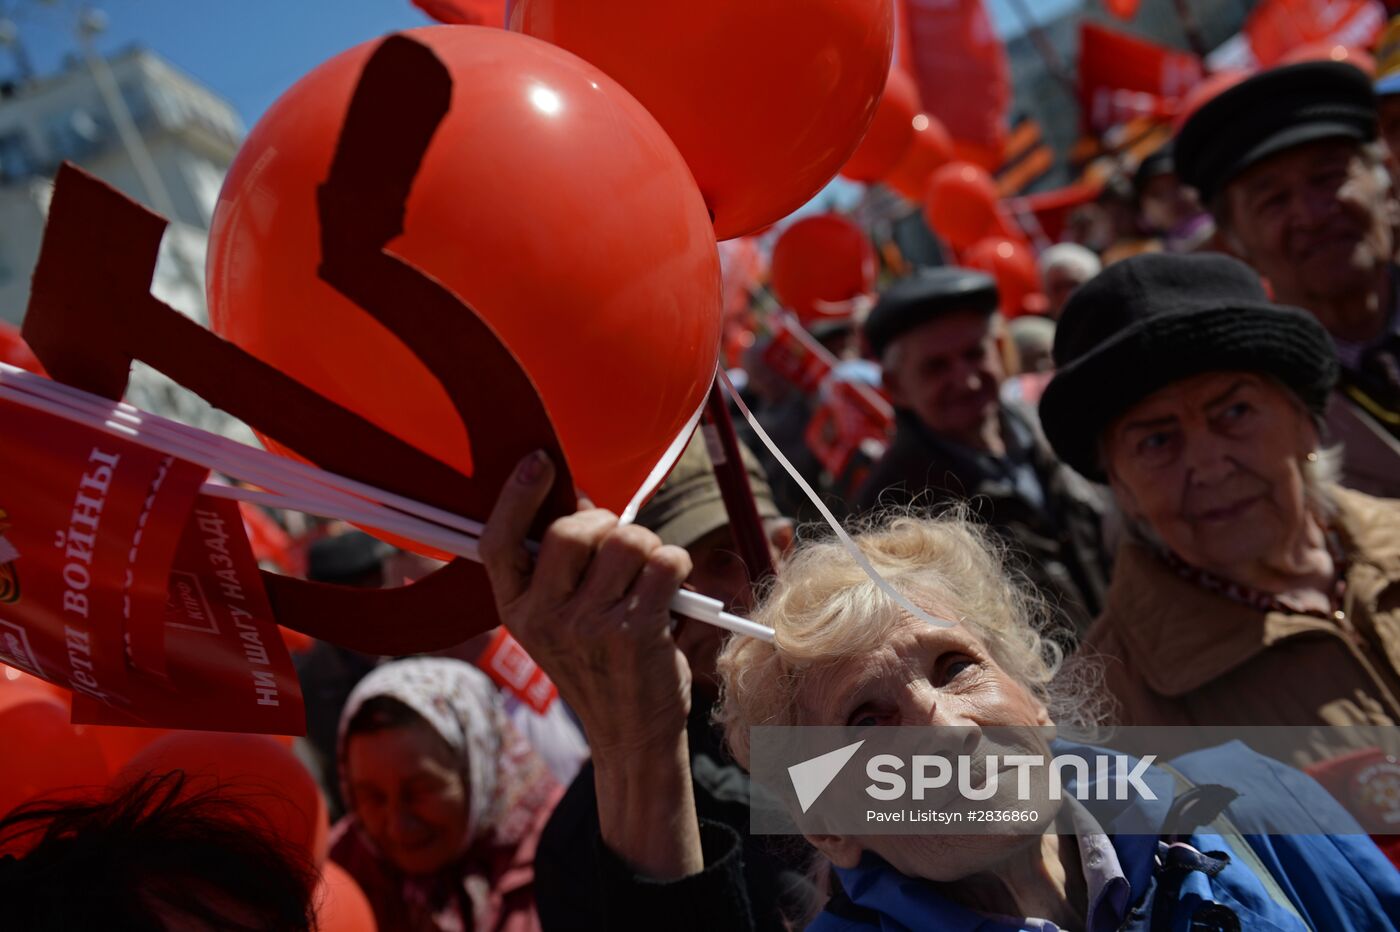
(120, 582)
(465, 12)
(960, 67)
(1276, 27)
(1122, 76)
(229, 667)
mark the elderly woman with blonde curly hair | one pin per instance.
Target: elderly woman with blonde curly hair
(593, 610)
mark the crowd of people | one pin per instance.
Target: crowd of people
(1173, 499)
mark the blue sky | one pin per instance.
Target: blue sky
(249, 51)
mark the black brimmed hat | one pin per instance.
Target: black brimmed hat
(1154, 319)
(1268, 113)
(925, 295)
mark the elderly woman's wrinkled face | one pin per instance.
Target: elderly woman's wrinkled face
(409, 796)
(926, 675)
(1213, 464)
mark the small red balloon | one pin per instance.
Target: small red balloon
(549, 200)
(891, 132)
(43, 753)
(961, 205)
(1014, 268)
(252, 769)
(766, 100)
(930, 150)
(1123, 9)
(341, 906)
(820, 264)
(1331, 51)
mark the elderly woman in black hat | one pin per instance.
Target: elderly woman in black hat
(1253, 589)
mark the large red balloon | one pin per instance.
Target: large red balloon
(961, 205)
(1014, 268)
(930, 149)
(42, 753)
(252, 769)
(820, 264)
(548, 199)
(766, 98)
(341, 906)
(891, 132)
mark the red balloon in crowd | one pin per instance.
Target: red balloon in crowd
(252, 769)
(820, 264)
(548, 199)
(1123, 9)
(43, 753)
(1331, 51)
(930, 149)
(961, 205)
(891, 132)
(765, 100)
(1014, 268)
(341, 906)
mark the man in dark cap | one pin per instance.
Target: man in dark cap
(1289, 164)
(936, 334)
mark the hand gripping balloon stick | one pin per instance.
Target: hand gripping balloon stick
(284, 483)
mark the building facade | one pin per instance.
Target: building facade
(188, 138)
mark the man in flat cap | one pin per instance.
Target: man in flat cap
(1289, 163)
(955, 441)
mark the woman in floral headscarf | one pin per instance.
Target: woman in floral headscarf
(446, 801)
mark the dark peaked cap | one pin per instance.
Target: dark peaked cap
(1146, 322)
(1269, 113)
(925, 295)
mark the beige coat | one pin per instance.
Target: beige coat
(1177, 654)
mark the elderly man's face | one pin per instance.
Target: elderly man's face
(1315, 221)
(948, 372)
(1213, 465)
(931, 676)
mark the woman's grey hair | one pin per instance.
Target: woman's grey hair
(824, 610)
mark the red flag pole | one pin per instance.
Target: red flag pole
(744, 522)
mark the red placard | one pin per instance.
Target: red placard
(229, 669)
(1122, 76)
(90, 526)
(960, 66)
(506, 662)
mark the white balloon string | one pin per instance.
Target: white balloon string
(846, 542)
(663, 466)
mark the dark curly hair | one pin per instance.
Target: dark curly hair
(154, 856)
